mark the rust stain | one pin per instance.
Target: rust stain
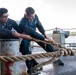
(8, 70)
(10, 45)
(2, 45)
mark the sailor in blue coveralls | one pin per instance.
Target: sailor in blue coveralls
(28, 24)
(6, 26)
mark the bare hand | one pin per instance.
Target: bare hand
(49, 40)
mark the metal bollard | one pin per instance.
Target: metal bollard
(11, 48)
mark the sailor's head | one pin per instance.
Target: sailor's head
(3, 15)
(30, 13)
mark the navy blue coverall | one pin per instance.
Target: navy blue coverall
(5, 30)
(30, 29)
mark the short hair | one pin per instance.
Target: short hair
(2, 11)
(29, 11)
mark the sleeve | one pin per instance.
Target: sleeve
(21, 27)
(39, 26)
(5, 32)
(15, 26)
(29, 31)
(24, 28)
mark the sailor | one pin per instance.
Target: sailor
(6, 26)
(28, 24)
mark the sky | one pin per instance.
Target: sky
(51, 13)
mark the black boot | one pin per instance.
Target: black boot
(34, 63)
(59, 62)
(29, 66)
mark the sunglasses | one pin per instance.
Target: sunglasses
(5, 16)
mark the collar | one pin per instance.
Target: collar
(2, 23)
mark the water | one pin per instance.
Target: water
(71, 42)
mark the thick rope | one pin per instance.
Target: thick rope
(42, 55)
(54, 43)
(59, 53)
(44, 63)
(57, 45)
(63, 52)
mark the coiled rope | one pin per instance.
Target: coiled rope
(65, 51)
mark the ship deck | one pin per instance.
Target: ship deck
(69, 67)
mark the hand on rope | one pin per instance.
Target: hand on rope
(54, 43)
(49, 40)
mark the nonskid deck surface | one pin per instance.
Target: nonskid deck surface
(69, 67)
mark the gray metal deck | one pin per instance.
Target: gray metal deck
(52, 69)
